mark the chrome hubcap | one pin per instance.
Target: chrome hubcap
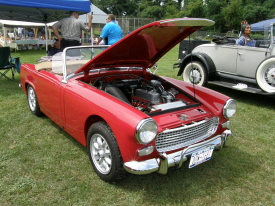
(195, 76)
(100, 153)
(31, 98)
(270, 76)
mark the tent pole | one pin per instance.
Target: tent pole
(92, 41)
(46, 32)
(5, 36)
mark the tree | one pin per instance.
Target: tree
(159, 9)
(213, 12)
(233, 14)
(195, 8)
(150, 9)
(152, 12)
(118, 7)
(227, 14)
(171, 10)
(256, 13)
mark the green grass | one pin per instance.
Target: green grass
(42, 165)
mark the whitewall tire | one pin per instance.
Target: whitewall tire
(195, 72)
(265, 75)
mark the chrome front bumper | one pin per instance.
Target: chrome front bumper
(176, 159)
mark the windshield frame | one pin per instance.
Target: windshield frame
(65, 59)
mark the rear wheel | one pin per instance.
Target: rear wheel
(32, 101)
(265, 75)
(195, 73)
(104, 153)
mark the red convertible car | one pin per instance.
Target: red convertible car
(130, 119)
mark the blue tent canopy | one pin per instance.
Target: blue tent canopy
(261, 25)
(41, 11)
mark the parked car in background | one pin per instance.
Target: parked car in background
(130, 119)
(250, 69)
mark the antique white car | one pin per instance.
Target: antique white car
(251, 69)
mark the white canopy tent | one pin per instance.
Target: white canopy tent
(9, 23)
(41, 11)
(14, 24)
(99, 16)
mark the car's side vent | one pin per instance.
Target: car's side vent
(201, 111)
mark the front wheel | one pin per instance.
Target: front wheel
(104, 153)
(265, 75)
(32, 101)
(195, 73)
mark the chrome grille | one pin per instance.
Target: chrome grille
(186, 135)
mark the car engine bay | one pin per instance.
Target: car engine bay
(146, 95)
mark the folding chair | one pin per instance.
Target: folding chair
(8, 63)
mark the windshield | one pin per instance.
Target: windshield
(73, 58)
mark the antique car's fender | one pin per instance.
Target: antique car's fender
(205, 61)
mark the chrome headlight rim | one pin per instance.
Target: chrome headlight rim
(140, 131)
(229, 108)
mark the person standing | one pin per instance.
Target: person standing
(71, 29)
(20, 31)
(26, 33)
(111, 32)
(30, 33)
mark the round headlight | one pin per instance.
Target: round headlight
(229, 108)
(146, 131)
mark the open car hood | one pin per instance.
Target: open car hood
(146, 45)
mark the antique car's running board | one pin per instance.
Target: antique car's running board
(242, 88)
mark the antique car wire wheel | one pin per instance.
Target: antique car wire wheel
(32, 101)
(194, 72)
(265, 75)
(104, 153)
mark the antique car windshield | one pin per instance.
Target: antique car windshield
(273, 33)
(267, 36)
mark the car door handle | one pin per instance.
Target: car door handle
(240, 53)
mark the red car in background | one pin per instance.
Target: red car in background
(129, 119)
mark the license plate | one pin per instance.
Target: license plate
(201, 156)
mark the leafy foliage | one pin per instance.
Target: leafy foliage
(227, 14)
(194, 9)
(232, 14)
(117, 7)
